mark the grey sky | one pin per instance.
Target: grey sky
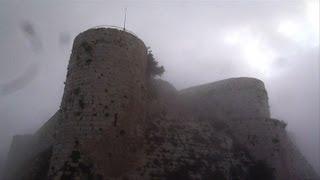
(197, 42)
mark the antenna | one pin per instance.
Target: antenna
(125, 19)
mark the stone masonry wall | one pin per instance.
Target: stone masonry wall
(241, 105)
(19, 154)
(25, 149)
(103, 105)
(231, 98)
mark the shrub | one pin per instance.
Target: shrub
(283, 124)
(153, 69)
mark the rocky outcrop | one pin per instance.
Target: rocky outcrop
(116, 122)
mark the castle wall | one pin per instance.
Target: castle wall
(19, 154)
(26, 148)
(241, 104)
(103, 103)
(179, 146)
(231, 98)
(45, 137)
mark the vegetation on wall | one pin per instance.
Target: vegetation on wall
(153, 69)
(279, 123)
(275, 140)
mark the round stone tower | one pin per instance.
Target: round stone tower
(103, 106)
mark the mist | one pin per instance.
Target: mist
(196, 41)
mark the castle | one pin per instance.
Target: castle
(115, 122)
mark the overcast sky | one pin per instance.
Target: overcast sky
(197, 42)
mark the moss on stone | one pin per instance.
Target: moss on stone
(75, 156)
(275, 140)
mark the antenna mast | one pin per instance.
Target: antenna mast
(125, 19)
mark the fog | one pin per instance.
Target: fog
(196, 41)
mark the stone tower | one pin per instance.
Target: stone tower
(103, 106)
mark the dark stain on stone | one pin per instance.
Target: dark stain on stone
(88, 61)
(115, 119)
(122, 132)
(81, 103)
(86, 46)
(77, 113)
(275, 140)
(76, 142)
(75, 156)
(77, 91)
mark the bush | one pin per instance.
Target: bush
(153, 69)
(279, 123)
